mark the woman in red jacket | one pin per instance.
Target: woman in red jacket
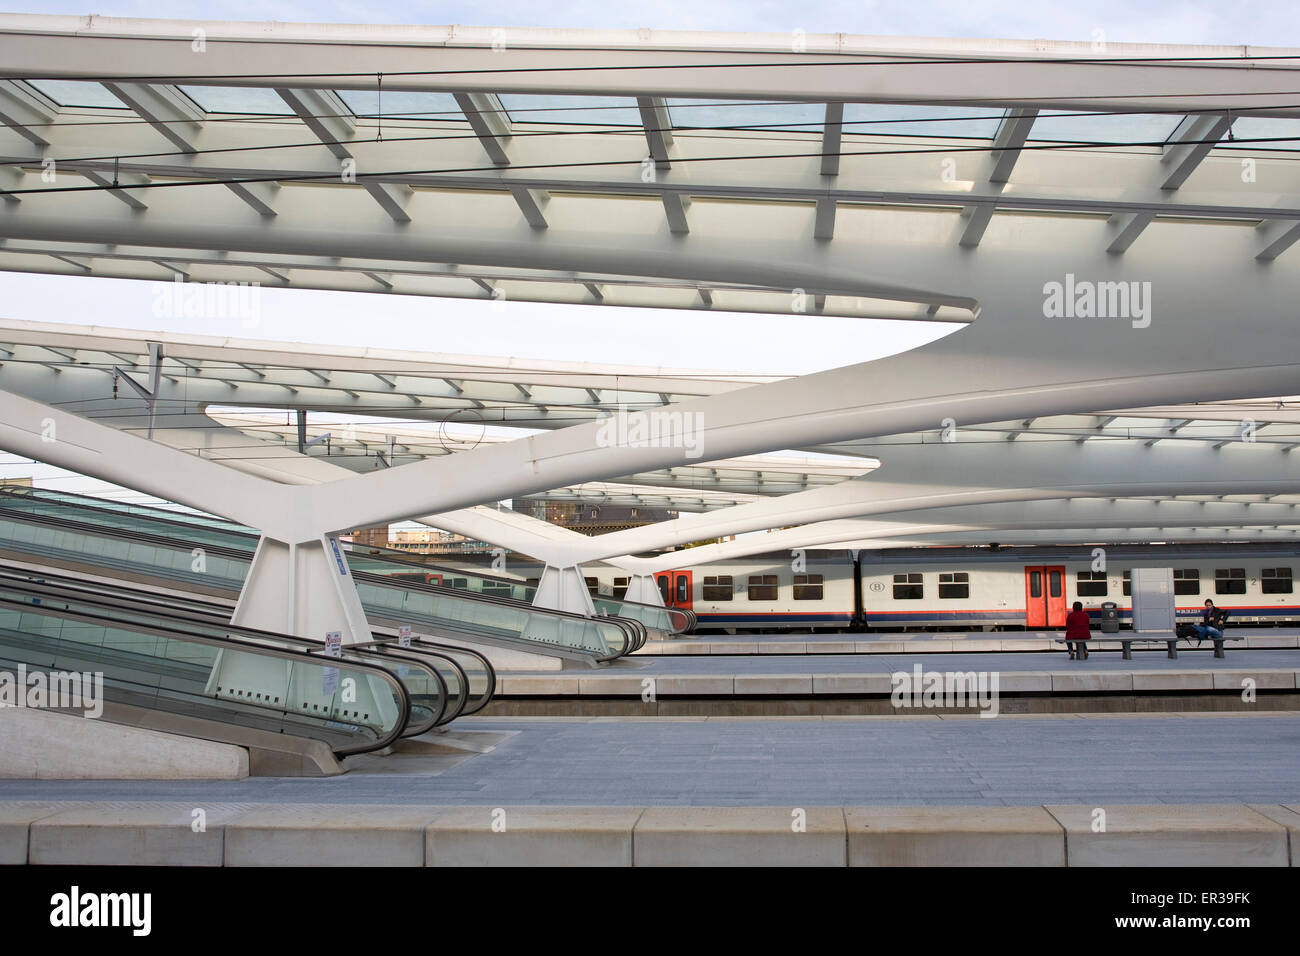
(1078, 628)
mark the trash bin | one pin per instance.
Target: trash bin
(1109, 617)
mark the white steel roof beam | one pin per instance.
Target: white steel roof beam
(328, 117)
(1190, 142)
(1075, 185)
(675, 206)
(1007, 144)
(1278, 237)
(171, 113)
(970, 522)
(1008, 141)
(1042, 471)
(490, 122)
(492, 125)
(832, 135)
(26, 111)
(180, 120)
(824, 219)
(131, 197)
(1132, 77)
(658, 129)
(260, 196)
(530, 203)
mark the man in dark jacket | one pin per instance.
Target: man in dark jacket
(1078, 628)
(1210, 626)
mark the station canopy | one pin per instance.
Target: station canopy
(709, 172)
(573, 165)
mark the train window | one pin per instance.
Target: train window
(1091, 584)
(1035, 584)
(593, 586)
(1128, 584)
(1229, 580)
(1275, 580)
(531, 582)
(717, 587)
(1054, 583)
(908, 587)
(462, 583)
(807, 587)
(620, 588)
(762, 587)
(1187, 581)
(954, 584)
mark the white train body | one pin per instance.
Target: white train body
(969, 588)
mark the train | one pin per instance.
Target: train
(966, 588)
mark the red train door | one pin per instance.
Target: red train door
(1045, 596)
(676, 588)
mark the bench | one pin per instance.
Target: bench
(1170, 642)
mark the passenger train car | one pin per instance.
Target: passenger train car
(966, 588)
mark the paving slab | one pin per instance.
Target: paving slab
(610, 685)
(538, 685)
(1171, 835)
(329, 835)
(1176, 680)
(15, 818)
(133, 834)
(775, 684)
(1264, 679)
(851, 683)
(954, 836)
(1091, 681)
(696, 685)
(1289, 817)
(532, 836)
(740, 836)
(1021, 683)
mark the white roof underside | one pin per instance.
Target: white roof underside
(639, 168)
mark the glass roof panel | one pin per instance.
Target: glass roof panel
(574, 110)
(78, 93)
(1070, 127)
(885, 119)
(746, 114)
(400, 104)
(1266, 131)
(238, 99)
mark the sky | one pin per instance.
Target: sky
(1271, 22)
(742, 343)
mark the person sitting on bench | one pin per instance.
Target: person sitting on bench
(1078, 628)
(1212, 619)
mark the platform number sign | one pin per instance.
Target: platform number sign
(330, 676)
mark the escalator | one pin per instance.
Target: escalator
(472, 667)
(214, 561)
(436, 685)
(663, 621)
(248, 690)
